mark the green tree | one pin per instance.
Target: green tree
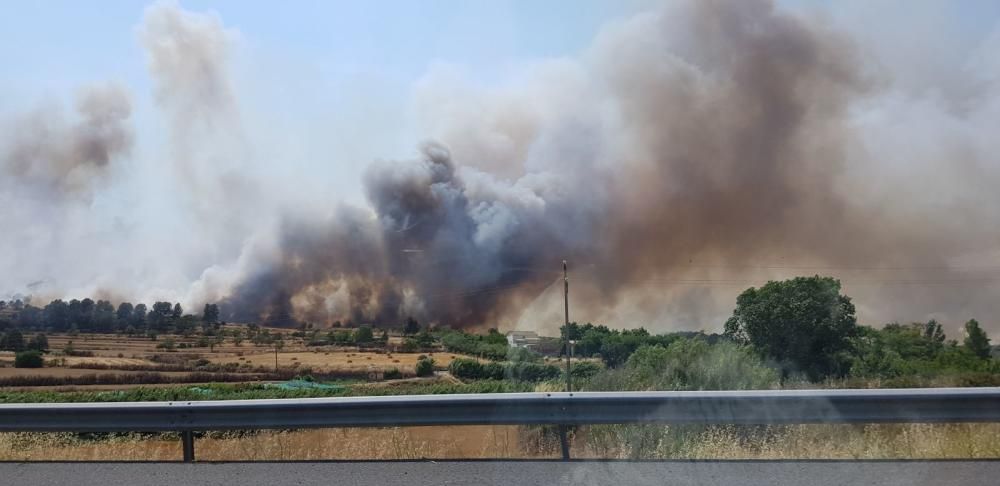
(124, 312)
(976, 339)
(12, 341)
(28, 359)
(363, 335)
(138, 315)
(211, 313)
(805, 324)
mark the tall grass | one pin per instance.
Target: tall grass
(885, 441)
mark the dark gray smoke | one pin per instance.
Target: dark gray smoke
(700, 138)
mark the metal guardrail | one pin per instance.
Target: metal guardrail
(563, 409)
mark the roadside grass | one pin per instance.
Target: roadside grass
(725, 442)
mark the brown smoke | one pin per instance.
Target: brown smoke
(709, 135)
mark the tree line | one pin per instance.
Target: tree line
(88, 315)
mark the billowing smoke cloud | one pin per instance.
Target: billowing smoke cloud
(688, 153)
(685, 144)
(46, 153)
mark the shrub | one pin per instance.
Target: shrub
(392, 374)
(584, 369)
(425, 367)
(473, 370)
(689, 364)
(466, 368)
(28, 359)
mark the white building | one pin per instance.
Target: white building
(522, 339)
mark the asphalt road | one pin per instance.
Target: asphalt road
(804, 473)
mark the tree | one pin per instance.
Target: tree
(139, 315)
(976, 339)
(211, 313)
(363, 335)
(425, 366)
(411, 327)
(28, 359)
(804, 324)
(159, 316)
(124, 312)
(56, 315)
(178, 311)
(12, 341)
(104, 316)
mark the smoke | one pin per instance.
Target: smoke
(43, 151)
(686, 154)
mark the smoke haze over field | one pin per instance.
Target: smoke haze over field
(688, 153)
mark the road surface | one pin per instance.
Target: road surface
(420, 473)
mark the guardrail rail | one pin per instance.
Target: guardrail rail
(562, 409)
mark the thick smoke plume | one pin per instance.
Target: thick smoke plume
(686, 154)
(706, 136)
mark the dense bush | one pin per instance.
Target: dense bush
(688, 364)
(491, 346)
(584, 369)
(392, 374)
(28, 359)
(531, 372)
(425, 366)
(615, 346)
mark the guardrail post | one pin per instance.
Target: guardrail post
(187, 442)
(564, 441)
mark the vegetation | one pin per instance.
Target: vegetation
(425, 366)
(688, 364)
(470, 369)
(28, 359)
(492, 346)
(804, 324)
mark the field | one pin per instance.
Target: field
(112, 361)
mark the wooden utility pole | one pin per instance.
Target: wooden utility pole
(569, 383)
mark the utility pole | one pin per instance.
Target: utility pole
(569, 383)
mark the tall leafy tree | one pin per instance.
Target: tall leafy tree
(805, 324)
(139, 315)
(124, 312)
(976, 339)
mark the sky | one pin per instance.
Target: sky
(322, 89)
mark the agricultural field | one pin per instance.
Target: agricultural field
(90, 361)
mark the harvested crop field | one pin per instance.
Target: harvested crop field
(337, 360)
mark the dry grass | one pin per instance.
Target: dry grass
(332, 361)
(810, 441)
(319, 444)
(896, 441)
